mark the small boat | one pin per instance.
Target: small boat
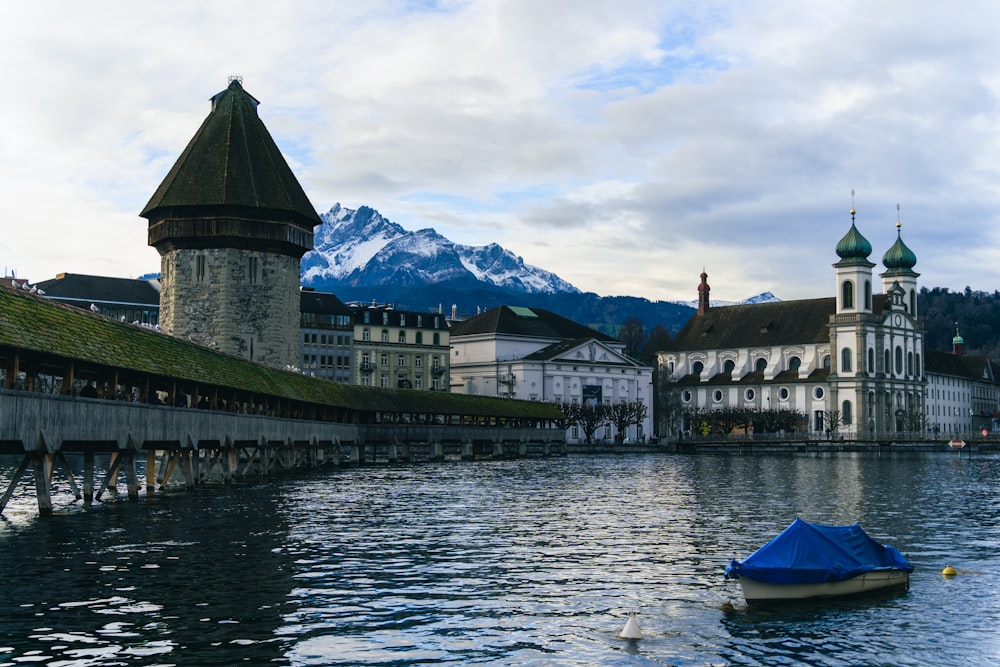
(809, 560)
(956, 443)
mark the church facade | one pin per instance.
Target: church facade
(854, 363)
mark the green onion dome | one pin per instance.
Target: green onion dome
(854, 245)
(899, 256)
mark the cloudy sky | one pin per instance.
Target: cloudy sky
(623, 145)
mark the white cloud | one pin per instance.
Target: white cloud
(622, 145)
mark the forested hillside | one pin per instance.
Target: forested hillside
(976, 316)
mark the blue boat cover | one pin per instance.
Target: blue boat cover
(809, 553)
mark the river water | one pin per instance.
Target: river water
(531, 562)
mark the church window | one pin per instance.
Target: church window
(760, 365)
(818, 393)
(845, 413)
(686, 396)
(871, 360)
(886, 366)
(199, 268)
(845, 360)
(783, 394)
(899, 360)
(794, 363)
(868, 295)
(750, 394)
(728, 366)
(826, 362)
(847, 294)
(909, 363)
(717, 395)
(697, 367)
(913, 303)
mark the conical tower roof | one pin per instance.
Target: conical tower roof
(233, 162)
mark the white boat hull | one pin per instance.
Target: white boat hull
(869, 582)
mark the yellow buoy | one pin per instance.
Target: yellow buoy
(949, 571)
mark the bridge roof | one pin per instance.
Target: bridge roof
(33, 324)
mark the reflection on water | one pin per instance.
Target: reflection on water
(522, 562)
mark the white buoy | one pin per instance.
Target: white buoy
(631, 629)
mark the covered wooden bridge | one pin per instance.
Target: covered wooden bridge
(73, 382)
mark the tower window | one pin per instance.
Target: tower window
(845, 360)
(199, 268)
(847, 294)
(845, 413)
(253, 270)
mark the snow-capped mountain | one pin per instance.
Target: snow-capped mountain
(361, 247)
(763, 297)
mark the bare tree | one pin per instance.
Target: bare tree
(592, 417)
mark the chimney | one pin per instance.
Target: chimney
(703, 290)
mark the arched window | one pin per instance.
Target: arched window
(697, 367)
(366, 334)
(437, 339)
(385, 335)
(847, 294)
(760, 365)
(886, 366)
(918, 369)
(845, 413)
(845, 360)
(871, 360)
(899, 360)
(794, 363)
(728, 366)
(909, 363)
(868, 295)
(913, 303)
(420, 338)
(826, 362)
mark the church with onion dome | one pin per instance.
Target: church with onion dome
(854, 363)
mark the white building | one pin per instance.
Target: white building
(534, 354)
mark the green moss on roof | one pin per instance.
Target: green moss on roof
(232, 161)
(31, 323)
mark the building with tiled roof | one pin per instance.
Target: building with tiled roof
(231, 223)
(534, 354)
(126, 299)
(854, 363)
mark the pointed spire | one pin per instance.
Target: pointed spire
(853, 246)
(703, 290)
(899, 257)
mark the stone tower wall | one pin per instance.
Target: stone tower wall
(241, 302)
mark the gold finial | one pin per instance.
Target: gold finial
(852, 203)
(899, 224)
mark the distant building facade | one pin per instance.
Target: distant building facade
(400, 349)
(534, 354)
(327, 332)
(125, 299)
(854, 363)
(231, 223)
